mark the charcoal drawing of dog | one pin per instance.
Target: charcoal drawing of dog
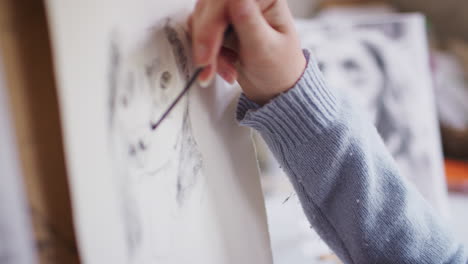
(155, 169)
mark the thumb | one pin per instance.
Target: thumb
(248, 21)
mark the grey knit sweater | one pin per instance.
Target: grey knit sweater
(348, 184)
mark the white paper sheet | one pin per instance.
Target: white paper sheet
(187, 192)
(382, 60)
(16, 239)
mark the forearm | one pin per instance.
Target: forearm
(346, 180)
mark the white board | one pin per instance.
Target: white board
(382, 60)
(16, 238)
(187, 192)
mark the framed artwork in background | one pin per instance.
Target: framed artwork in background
(382, 61)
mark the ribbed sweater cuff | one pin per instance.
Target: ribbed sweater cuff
(296, 115)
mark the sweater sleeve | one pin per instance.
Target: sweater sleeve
(348, 184)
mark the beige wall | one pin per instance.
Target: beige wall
(448, 17)
(302, 8)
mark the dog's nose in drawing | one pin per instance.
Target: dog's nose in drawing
(137, 151)
(137, 147)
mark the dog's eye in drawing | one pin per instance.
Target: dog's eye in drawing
(165, 79)
(351, 65)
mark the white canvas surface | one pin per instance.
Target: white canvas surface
(381, 59)
(187, 192)
(16, 240)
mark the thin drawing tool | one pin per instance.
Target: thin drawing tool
(174, 103)
(227, 33)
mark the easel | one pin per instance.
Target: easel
(26, 55)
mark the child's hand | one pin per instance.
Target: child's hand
(268, 59)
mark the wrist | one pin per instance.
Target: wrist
(309, 107)
(263, 94)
